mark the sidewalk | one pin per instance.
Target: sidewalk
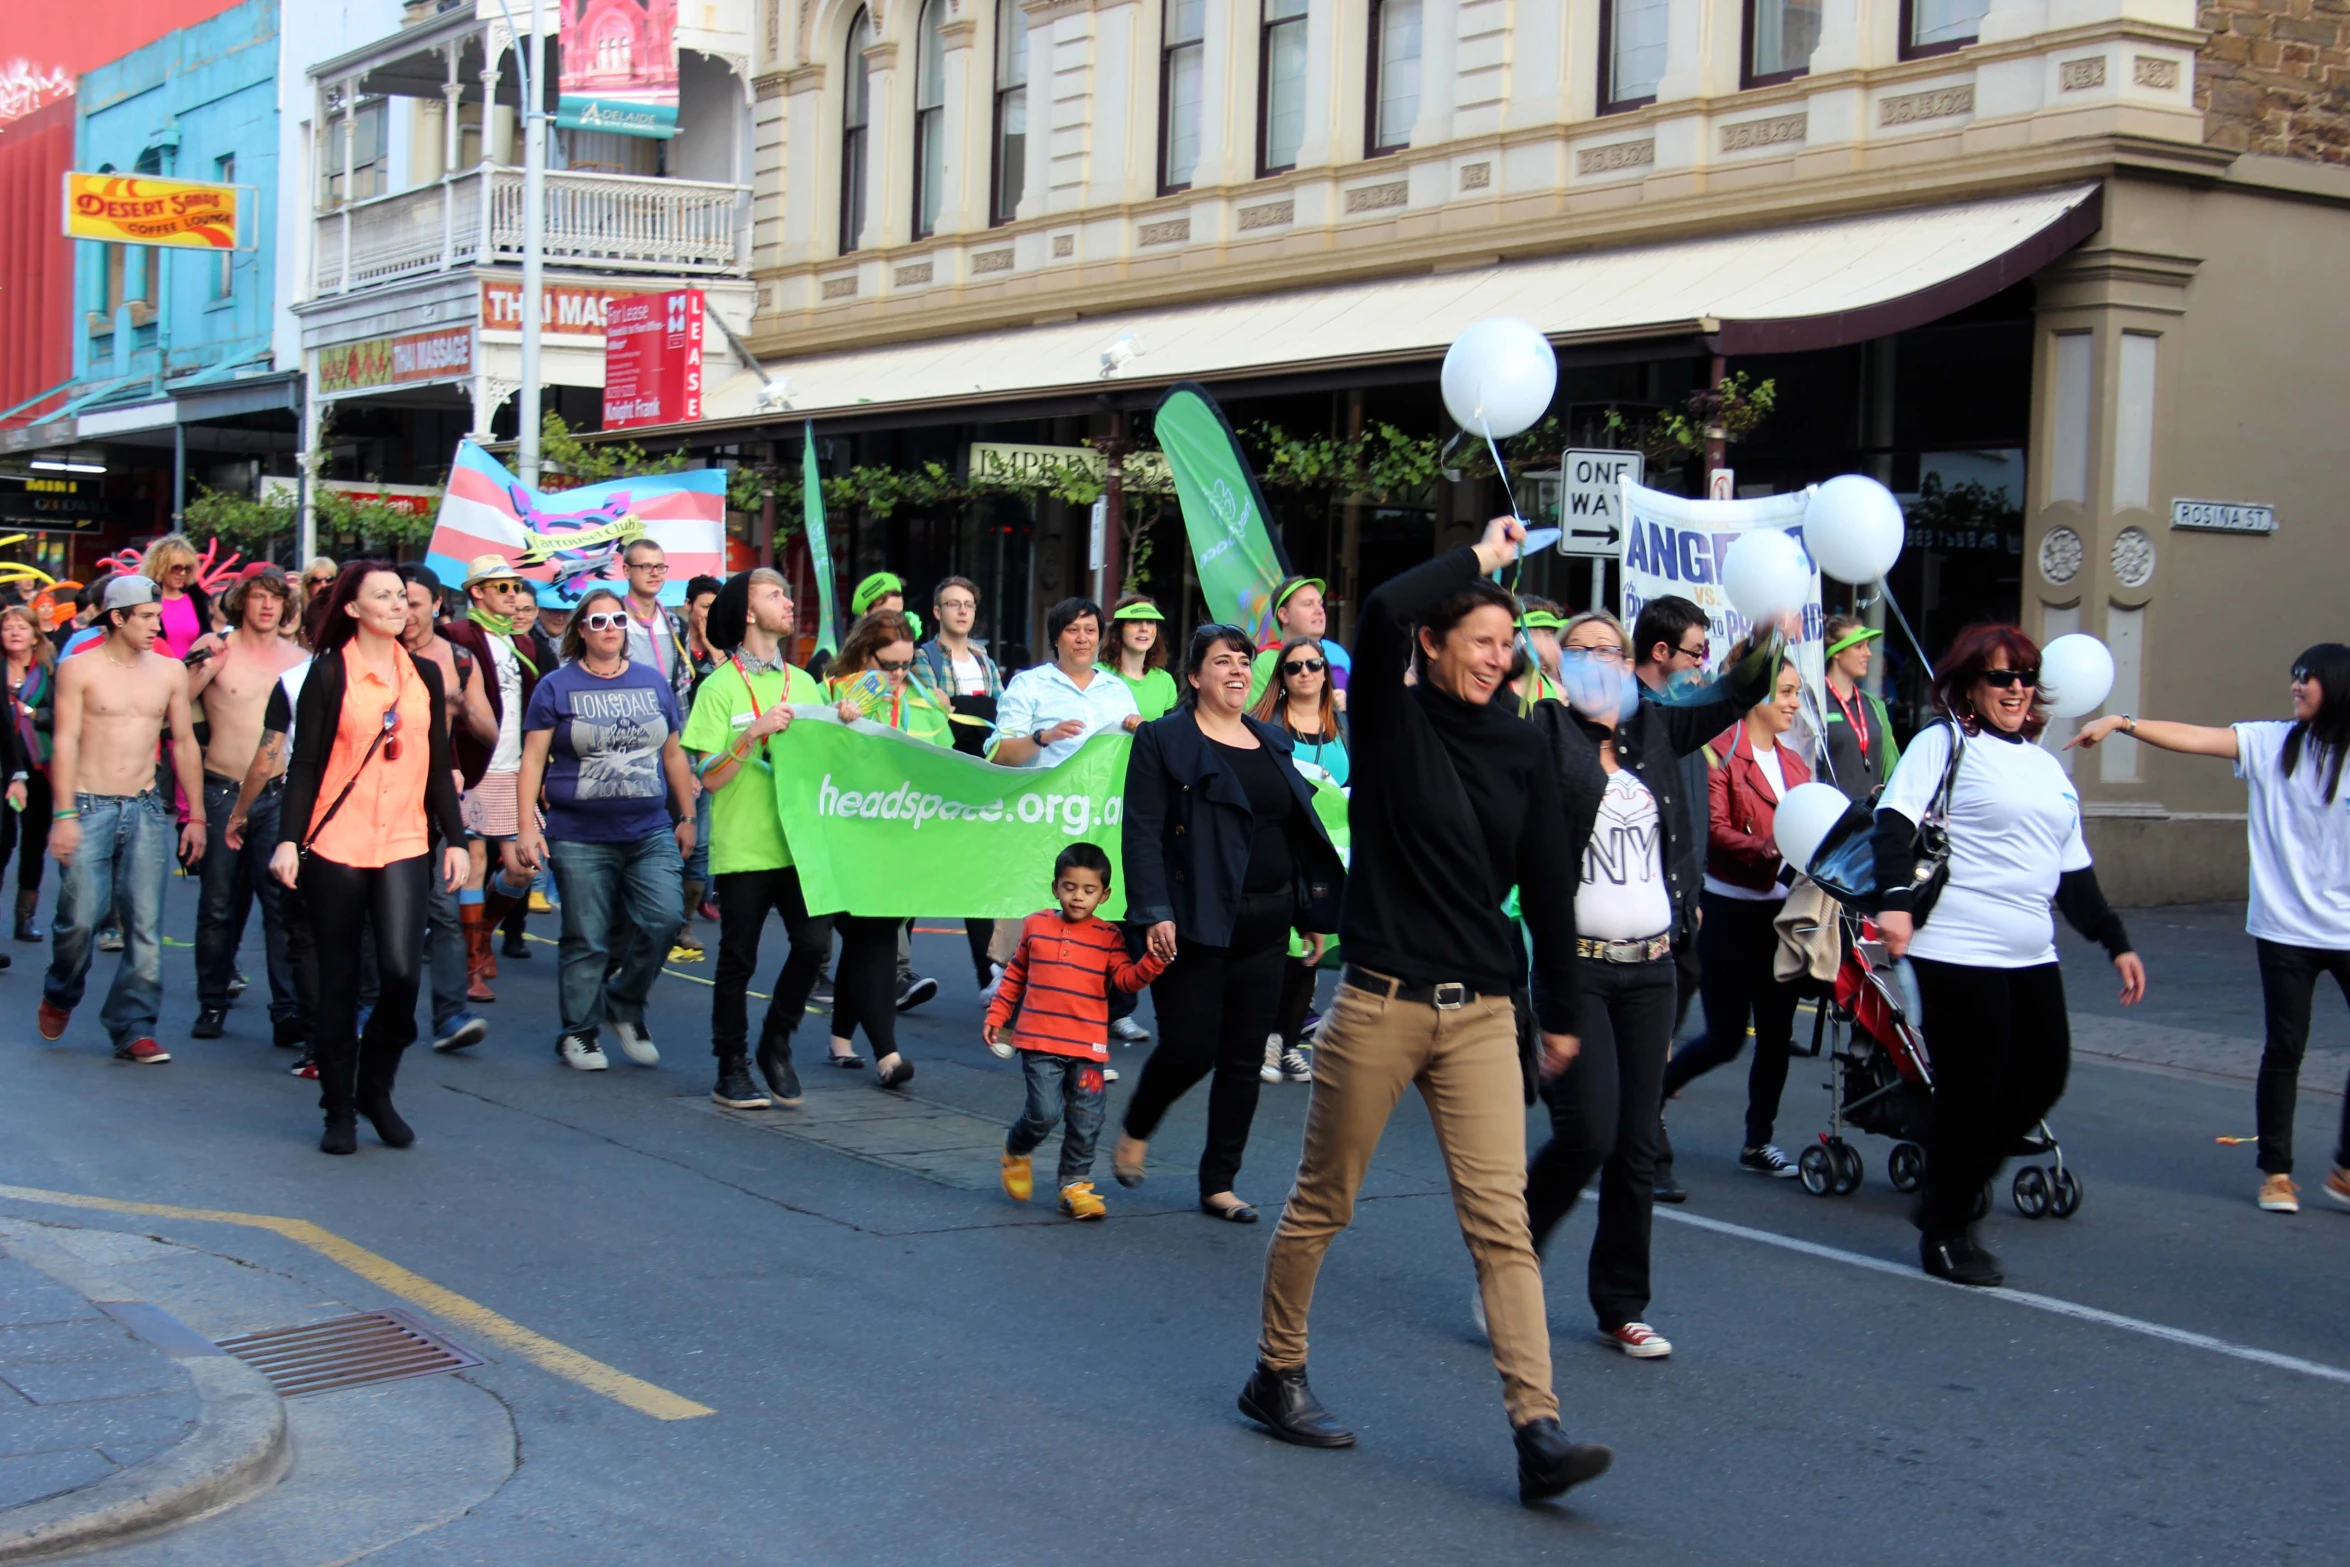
(116, 1419)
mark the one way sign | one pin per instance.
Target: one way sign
(1591, 514)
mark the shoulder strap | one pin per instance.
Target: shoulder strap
(368, 756)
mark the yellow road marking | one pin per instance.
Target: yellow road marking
(447, 1304)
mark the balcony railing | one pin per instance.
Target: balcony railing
(617, 222)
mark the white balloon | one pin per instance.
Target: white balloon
(2076, 675)
(1853, 528)
(1803, 819)
(1765, 573)
(1498, 377)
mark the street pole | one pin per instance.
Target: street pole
(534, 218)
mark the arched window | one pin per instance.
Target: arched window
(1010, 179)
(1281, 85)
(930, 121)
(856, 108)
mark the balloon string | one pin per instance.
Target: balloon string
(1886, 589)
(1502, 469)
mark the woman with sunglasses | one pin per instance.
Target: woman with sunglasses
(1301, 701)
(371, 773)
(1618, 759)
(601, 736)
(1985, 959)
(2299, 916)
(868, 681)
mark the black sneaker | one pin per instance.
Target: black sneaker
(1548, 1463)
(1961, 1261)
(820, 996)
(918, 990)
(1767, 1160)
(236, 986)
(784, 1078)
(289, 1033)
(735, 1090)
(210, 1022)
(29, 929)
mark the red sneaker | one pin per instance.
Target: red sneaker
(144, 1051)
(52, 1020)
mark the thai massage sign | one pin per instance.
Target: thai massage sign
(619, 67)
(443, 354)
(134, 209)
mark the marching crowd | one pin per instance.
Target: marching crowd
(1560, 835)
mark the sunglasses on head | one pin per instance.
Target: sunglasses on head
(604, 620)
(2001, 679)
(1303, 666)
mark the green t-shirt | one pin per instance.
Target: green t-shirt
(1154, 693)
(746, 833)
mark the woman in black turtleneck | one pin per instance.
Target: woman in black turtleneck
(1454, 803)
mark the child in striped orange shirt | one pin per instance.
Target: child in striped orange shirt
(1059, 983)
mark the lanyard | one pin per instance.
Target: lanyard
(1860, 729)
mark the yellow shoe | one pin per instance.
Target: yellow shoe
(539, 903)
(2278, 1194)
(1079, 1202)
(1019, 1183)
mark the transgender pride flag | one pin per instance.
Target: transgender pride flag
(571, 540)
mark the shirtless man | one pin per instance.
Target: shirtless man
(233, 676)
(113, 703)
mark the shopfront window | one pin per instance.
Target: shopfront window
(1632, 45)
(1780, 36)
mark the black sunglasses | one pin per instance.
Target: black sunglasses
(889, 668)
(2001, 679)
(1303, 666)
(391, 734)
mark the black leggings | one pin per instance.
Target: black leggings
(2001, 1048)
(343, 900)
(1298, 978)
(744, 900)
(1738, 946)
(26, 833)
(865, 995)
(1216, 1005)
(2288, 984)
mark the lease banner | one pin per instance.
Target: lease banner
(884, 824)
(136, 209)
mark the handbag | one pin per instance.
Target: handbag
(1845, 862)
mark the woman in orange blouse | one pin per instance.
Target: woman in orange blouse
(370, 780)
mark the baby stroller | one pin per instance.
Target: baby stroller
(1881, 1081)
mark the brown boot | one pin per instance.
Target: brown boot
(477, 953)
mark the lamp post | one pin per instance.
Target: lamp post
(532, 56)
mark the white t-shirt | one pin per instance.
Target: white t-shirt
(1767, 762)
(2300, 843)
(969, 678)
(506, 756)
(2015, 828)
(1623, 896)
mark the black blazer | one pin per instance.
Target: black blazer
(1187, 829)
(316, 718)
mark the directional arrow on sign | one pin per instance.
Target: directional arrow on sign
(1606, 535)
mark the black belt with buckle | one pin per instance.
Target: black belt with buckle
(1449, 996)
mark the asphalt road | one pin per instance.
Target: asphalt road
(905, 1369)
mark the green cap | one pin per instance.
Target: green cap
(874, 589)
(1282, 594)
(1138, 612)
(1853, 638)
(1541, 620)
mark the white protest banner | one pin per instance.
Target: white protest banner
(1673, 545)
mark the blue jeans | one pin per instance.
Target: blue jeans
(232, 880)
(127, 845)
(1063, 1091)
(628, 892)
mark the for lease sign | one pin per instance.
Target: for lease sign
(136, 209)
(653, 359)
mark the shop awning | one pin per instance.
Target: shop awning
(1776, 290)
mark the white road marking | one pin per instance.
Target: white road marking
(2047, 1303)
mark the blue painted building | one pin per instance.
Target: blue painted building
(173, 348)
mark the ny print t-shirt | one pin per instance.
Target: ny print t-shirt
(604, 781)
(1623, 896)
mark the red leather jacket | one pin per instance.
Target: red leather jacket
(1739, 846)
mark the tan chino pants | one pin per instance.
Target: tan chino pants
(1465, 1064)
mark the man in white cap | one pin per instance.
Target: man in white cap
(113, 703)
(492, 809)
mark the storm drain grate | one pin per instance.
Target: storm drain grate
(374, 1346)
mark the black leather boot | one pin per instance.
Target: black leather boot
(338, 1071)
(379, 1065)
(1283, 1404)
(1548, 1463)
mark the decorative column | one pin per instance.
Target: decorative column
(810, 153)
(1440, 32)
(889, 185)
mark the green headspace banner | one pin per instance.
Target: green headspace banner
(886, 825)
(1240, 561)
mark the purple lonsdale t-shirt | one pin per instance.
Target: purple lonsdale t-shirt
(604, 780)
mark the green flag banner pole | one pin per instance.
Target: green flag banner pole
(1240, 560)
(819, 543)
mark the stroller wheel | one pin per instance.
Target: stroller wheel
(1848, 1167)
(2064, 1193)
(1818, 1169)
(1982, 1204)
(1905, 1167)
(2031, 1192)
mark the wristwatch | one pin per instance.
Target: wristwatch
(1038, 737)
(2129, 723)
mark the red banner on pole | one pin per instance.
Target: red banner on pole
(653, 359)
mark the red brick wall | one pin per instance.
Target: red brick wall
(2275, 77)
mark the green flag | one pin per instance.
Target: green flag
(819, 543)
(1240, 561)
(884, 824)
